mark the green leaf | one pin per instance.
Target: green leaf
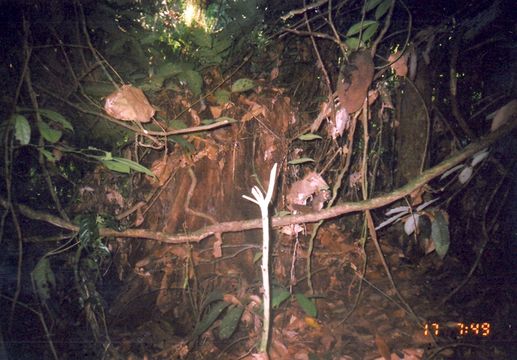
(440, 234)
(352, 43)
(167, 70)
(22, 129)
(230, 321)
(300, 161)
(116, 166)
(309, 137)
(201, 38)
(243, 84)
(193, 80)
(134, 165)
(382, 9)
(370, 4)
(209, 318)
(369, 32)
(49, 134)
(56, 117)
(307, 305)
(44, 278)
(88, 229)
(357, 27)
(278, 296)
(48, 155)
(222, 96)
(257, 257)
(215, 295)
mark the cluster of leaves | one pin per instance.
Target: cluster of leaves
(215, 307)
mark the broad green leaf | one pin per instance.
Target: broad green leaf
(382, 9)
(257, 257)
(221, 43)
(167, 70)
(357, 27)
(440, 234)
(48, 155)
(369, 32)
(88, 229)
(230, 322)
(222, 96)
(209, 318)
(243, 84)
(300, 161)
(44, 278)
(22, 129)
(134, 165)
(309, 137)
(56, 117)
(370, 4)
(201, 38)
(116, 166)
(352, 43)
(278, 296)
(307, 305)
(215, 295)
(193, 80)
(49, 134)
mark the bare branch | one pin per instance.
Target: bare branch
(332, 212)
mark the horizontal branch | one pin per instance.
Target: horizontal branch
(335, 211)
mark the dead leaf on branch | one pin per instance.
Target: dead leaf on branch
(398, 63)
(129, 104)
(354, 81)
(302, 190)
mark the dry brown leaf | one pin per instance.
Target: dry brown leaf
(216, 111)
(139, 219)
(162, 169)
(129, 104)
(416, 195)
(399, 63)
(354, 81)
(413, 354)
(372, 96)
(229, 298)
(255, 111)
(340, 123)
(57, 154)
(312, 322)
(113, 196)
(384, 349)
(274, 73)
(302, 190)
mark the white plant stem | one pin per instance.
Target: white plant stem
(263, 202)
